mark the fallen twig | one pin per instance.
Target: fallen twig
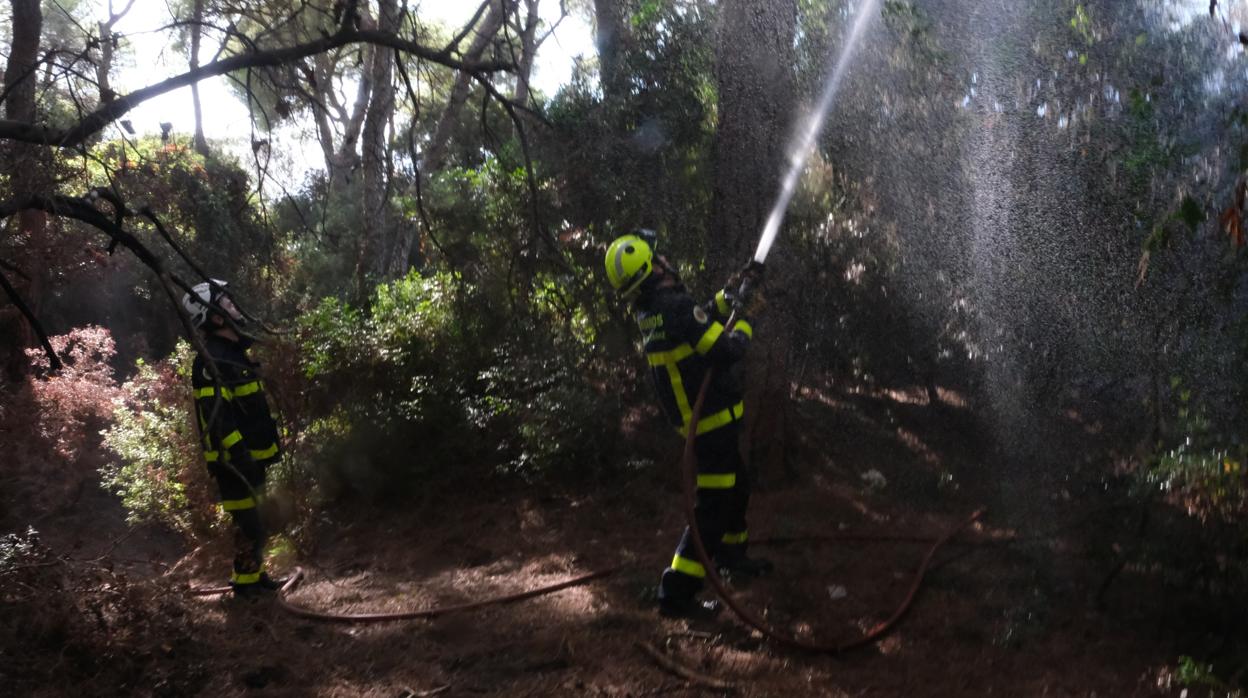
(412, 693)
(685, 672)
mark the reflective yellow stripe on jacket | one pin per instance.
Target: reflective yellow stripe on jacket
(669, 359)
(261, 454)
(256, 454)
(242, 390)
(709, 337)
(238, 504)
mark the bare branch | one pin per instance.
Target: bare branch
(468, 27)
(53, 360)
(82, 209)
(107, 113)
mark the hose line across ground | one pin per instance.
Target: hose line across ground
(294, 579)
(431, 612)
(311, 614)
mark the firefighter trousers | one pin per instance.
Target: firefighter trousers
(720, 503)
(240, 498)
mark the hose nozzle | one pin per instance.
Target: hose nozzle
(751, 276)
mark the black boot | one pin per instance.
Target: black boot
(251, 592)
(690, 608)
(271, 584)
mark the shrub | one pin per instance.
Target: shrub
(1199, 467)
(436, 377)
(159, 475)
(58, 415)
(69, 402)
(389, 384)
(549, 419)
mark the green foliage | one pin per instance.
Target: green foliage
(1193, 674)
(1081, 23)
(1190, 213)
(434, 378)
(549, 420)
(639, 155)
(206, 203)
(319, 250)
(158, 473)
(1202, 467)
(905, 17)
(18, 549)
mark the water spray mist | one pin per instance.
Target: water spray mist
(808, 133)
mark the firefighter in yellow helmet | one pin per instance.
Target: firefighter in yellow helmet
(683, 340)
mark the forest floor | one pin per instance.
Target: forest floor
(1028, 602)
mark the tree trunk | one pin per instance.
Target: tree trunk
(197, 18)
(754, 71)
(528, 51)
(26, 165)
(610, 34)
(491, 22)
(375, 241)
(347, 157)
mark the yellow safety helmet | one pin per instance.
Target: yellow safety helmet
(629, 262)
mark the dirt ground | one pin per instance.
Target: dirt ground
(1029, 602)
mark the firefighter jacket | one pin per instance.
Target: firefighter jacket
(234, 419)
(682, 341)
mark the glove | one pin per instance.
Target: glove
(751, 277)
(753, 272)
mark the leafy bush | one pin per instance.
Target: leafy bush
(548, 419)
(1200, 466)
(435, 378)
(57, 414)
(387, 384)
(159, 476)
(68, 403)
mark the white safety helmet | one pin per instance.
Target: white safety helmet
(204, 294)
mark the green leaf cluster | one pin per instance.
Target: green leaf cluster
(157, 471)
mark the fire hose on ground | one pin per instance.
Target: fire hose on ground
(744, 614)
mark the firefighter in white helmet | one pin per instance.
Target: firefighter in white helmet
(239, 434)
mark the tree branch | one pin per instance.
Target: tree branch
(53, 360)
(94, 122)
(81, 209)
